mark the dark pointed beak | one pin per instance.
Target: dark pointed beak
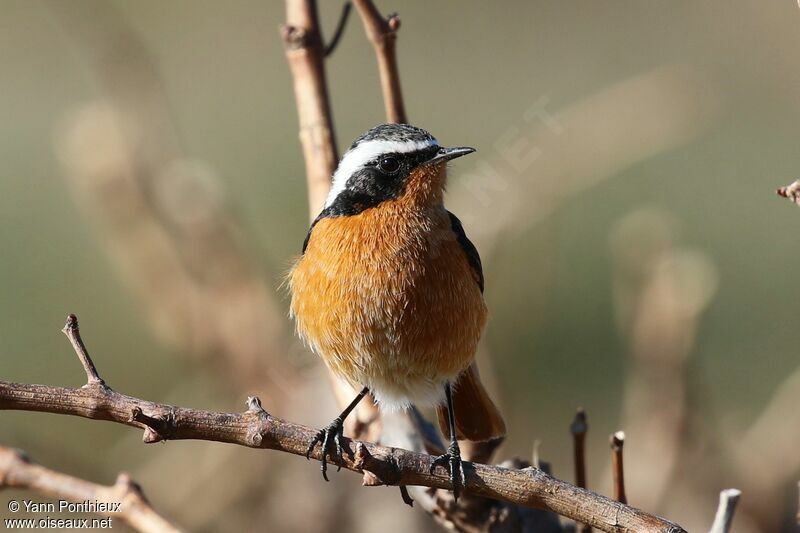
(446, 154)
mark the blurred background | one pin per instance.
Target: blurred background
(637, 261)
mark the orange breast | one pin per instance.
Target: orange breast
(388, 299)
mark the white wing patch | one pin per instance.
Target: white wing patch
(365, 152)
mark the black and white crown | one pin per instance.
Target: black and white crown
(399, 133)
(401, 139)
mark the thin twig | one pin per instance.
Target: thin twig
(73, 333)
(337, 34)
(255, 428)
(382, 33)
(124, 498)
(617, 441)
(578, 428)
(728, 499)
(303, 43)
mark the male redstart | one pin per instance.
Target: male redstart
(389, 290)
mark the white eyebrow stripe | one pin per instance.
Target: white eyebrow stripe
(365, 152)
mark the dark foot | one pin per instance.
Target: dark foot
(331, 439)
(452, 462)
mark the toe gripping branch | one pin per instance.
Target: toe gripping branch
(451, 461)
(331, 440)
(331, 437)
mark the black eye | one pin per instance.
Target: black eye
(389, 164)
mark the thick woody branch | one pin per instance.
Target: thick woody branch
(382, 33)
(255, 428)
(17, 471)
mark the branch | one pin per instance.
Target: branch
(305, 54)
(617, 441)
(578, 428)
(728, 499)
(339, 31)
(255, 428)
(17, 471)
(382, 33)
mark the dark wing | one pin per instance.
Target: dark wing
(308, 235)
(469, 248)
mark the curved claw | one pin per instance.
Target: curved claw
(337, 438)
(455, 467)
(317, 438)
(323, 436)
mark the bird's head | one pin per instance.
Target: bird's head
(391, 162)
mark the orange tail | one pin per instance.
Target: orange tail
(477, 418)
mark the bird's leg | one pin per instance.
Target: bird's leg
(452, 459)
(331, 436)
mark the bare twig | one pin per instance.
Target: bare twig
(617, 441)
(124, 498)
(305, 54)
(579, 428)
(255, 428)
(73, 333)
(728, 499)
(303, 42)
(337, 34)
(382, 33)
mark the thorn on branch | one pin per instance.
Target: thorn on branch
(73, 333)
(617, 442)
(256, 434)
(728, 499)
(340, 26)
(363, 460)
(157, 429)
(254, 405)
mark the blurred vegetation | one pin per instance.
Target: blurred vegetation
(724, 79)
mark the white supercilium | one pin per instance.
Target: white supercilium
(367, 151)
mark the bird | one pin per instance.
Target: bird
(388, 291)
